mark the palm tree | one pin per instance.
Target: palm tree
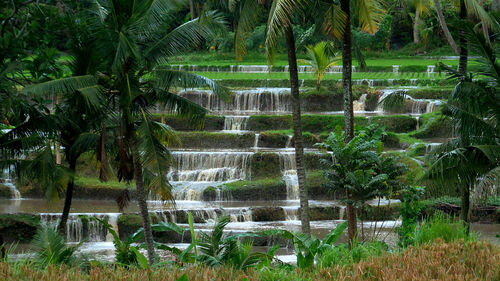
(444, 26)
(421, 7)
(133, 43)
(336, 22)
(78, 111)
(473, 157)
(279, 24)
(319, 60)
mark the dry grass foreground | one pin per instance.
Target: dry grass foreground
(438, 261)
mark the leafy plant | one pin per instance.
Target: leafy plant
(320, 59)
(51, 248)
(442, 227)
(343, 256)
(410, 209)
(309, 248)
(359, 170)
(128, 255)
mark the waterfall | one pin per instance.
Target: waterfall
(385, 94)
(79, 227)
(341, 212)
(256, 142)
(254, 100)
(291, 213)
(7, 181)
(205, 166)
(359, 105)
(289, 174)
(289, 142)
(235, 123)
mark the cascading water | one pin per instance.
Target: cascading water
(196, 170)
(79, 227)
(235, 123)
(254, 100)
(7, 181)
(289, 174)
(359, 105)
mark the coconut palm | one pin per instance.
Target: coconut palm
(134, 44)
(473, 157)
(279, 23)
(320, 60)
(79, 110)
(421, 7)
(444, 26)
(336, 22)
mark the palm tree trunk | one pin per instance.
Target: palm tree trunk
(297, 131)
(69, 197)
(191, 10)
(348, 104)
(444, 27)
(465, 208)
(463, 51)
(143, 207)
(416, 35)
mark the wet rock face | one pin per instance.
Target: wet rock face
(320, 213)
(18, 227)
(268, 214)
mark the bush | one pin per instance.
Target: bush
(342, 256)
(441, 227)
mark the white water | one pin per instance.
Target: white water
(252, 100)
(75, 230)
(7, 181)
(235, 123)
(289, 175)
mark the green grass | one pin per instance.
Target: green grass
(388, 59)
(328, 76)
(96, 183)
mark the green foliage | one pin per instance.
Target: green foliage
(411, 207)
(309, 248)
(321, 57)
(341, 255)
(51, 248)
(441, 227)
(359, 168)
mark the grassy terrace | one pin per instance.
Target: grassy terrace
(328, 76)
(226, 59)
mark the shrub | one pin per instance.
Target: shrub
(441, 227)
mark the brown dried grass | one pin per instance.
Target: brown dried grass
(437, 261)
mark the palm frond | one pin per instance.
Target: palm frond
(185, 37)
(155, 157)
(334, 21)
(280, 17)
(249, 16)
(61, 86)
(369, 14)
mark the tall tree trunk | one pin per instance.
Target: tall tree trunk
(297, 131)
(143, 207)
(69, 197)
(463, 51)
(444, 27)
(191, 10)
(465, 208)
(348, 104)
(416, 35)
